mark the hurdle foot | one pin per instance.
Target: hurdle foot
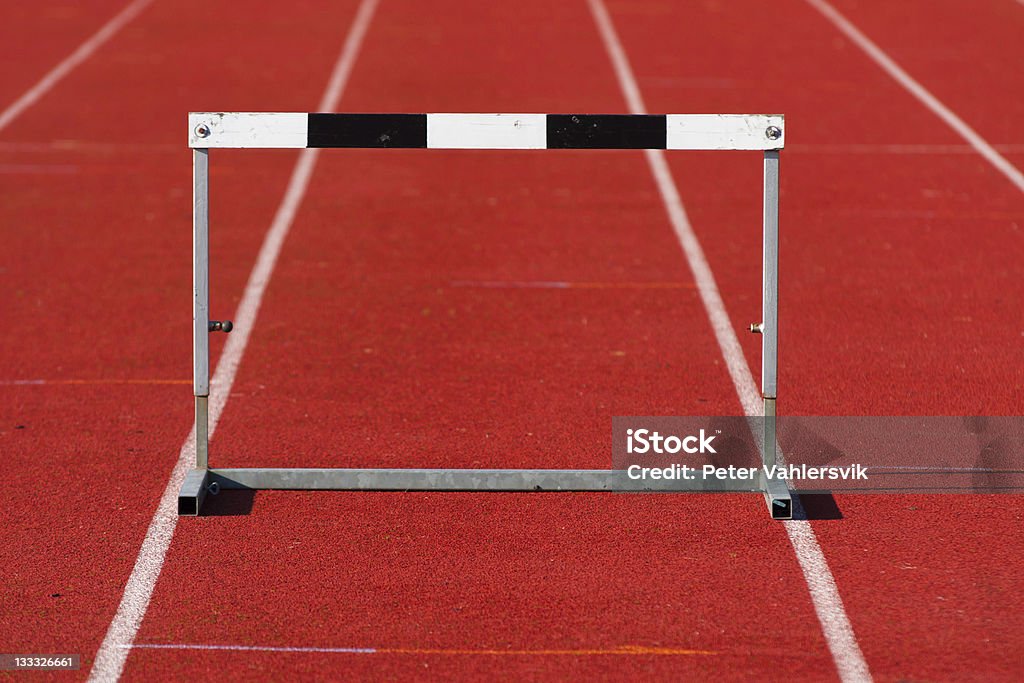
(779, 499)
(193, 492)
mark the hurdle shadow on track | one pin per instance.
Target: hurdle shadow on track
(815, 506)
(229, 503)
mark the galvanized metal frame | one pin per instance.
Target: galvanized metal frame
(776, 492)
(201, 480)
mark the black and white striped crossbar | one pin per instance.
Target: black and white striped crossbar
(487, 131)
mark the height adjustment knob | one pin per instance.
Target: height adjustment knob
(221, 326)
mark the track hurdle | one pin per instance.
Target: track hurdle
(239, 130)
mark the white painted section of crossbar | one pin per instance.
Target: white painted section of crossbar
(487, 131)
(723, 131)
(237, 130)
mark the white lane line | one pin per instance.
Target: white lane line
(908, 149)
(828, 604)
(252, 648)
(620, 651)
(108, 148)
(111, 656)
(980, 145)
(84, 51)
(38, 169)
(556, 284)
(934, 468)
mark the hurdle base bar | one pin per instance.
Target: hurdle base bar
(198, 482)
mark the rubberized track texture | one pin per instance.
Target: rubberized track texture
(411, 320)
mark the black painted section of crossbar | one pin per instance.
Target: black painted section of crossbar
(606, 131)
(367, 130)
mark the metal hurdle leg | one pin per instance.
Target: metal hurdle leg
(776, 492)
(193, 490)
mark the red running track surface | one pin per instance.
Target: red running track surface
(373, 347)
